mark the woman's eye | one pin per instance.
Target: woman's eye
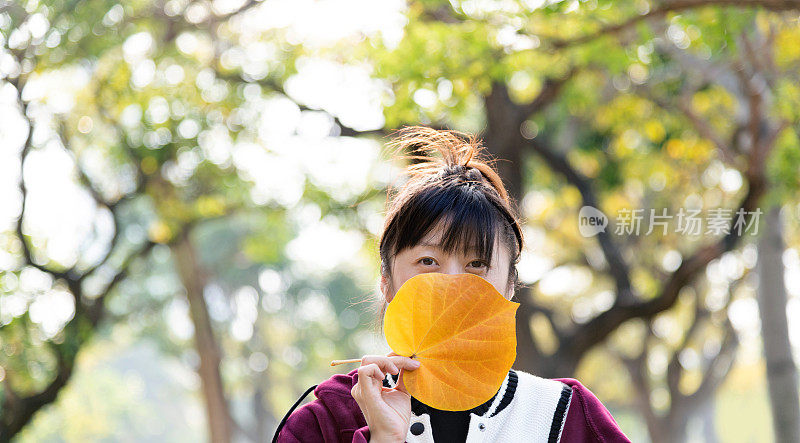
(427, 261)
(478, 264)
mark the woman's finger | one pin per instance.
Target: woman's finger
(401, 386)
(373, 367)
(362, 389)
(407, 363)
(371, 370)
(384, 363)
(391, 363)
(370, 380)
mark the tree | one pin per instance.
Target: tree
(690, 364)
(781, 369)
(168, 116)
(153, 154)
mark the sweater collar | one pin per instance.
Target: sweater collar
(510, 383)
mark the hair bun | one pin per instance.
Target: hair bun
(457, 153)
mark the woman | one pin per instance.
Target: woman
(453, 215)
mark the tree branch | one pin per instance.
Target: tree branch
(674, 367)
(714, 373)
(617, 266)
(664, 9)
(228, 15)
(28, 145)
(18, 411)
(97, 308)
(637, 370)
(551, 89)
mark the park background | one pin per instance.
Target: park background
(191, 193)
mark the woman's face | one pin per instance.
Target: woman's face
(427, 257)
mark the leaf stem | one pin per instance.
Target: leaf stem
(341, 362)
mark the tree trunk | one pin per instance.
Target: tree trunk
(781, 369)
(260, 414)
(503, 140)
(707, 416)
(194, 279)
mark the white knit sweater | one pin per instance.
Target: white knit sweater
(528, 418)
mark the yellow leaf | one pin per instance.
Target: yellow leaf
(655, 131)
(209, 206)
(463, 333)
(149, 165)
(675, 148)
(159, 232)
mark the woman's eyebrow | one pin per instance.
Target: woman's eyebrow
(472, 251)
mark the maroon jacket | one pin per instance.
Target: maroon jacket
(336, 417)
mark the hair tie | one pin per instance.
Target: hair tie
(466, 163)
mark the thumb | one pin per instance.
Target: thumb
(401, 385)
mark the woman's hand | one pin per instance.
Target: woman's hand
(388, 411)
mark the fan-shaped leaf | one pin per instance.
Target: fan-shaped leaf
(461, 330)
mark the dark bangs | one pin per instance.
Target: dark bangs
(469, 220)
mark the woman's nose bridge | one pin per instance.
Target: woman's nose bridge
(452, 266)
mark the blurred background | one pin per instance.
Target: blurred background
(191, 193)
